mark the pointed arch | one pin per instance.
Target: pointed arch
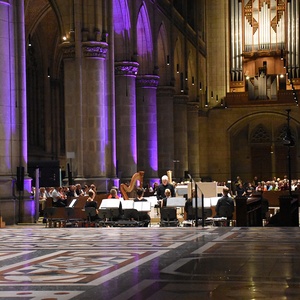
(260, 134)
(192, 75)
(122, 26)
(163, 55)
(178, 64)
(144, 41)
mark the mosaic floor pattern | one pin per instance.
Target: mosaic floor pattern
(149, 263)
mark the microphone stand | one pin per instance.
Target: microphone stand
(196, 201)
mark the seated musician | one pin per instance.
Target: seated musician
(225, 205)
(163, 202)
(188, 207)
(113, 194)
(143, 216)
(90, 202)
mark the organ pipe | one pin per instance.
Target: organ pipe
(232, 36)
(297, 40)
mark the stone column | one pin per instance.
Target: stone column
(193, 140)
(165, 125)
(147, 126)
(126, 118)
(180, 136)
(15, 205)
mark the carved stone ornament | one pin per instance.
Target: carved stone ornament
(68, 50)
(147, 81)
(124, 68)
(95, 49)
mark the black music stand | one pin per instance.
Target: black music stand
(70, 213)
(90, 213)
(131, 214)
(49, 212)
(196, 201)
(168, 217)
(207, 213)
(109, 216)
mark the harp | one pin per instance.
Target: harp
(139, 176)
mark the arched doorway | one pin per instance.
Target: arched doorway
(257, 148)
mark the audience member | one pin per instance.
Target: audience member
(58, 198)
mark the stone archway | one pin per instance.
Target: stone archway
(257, 147)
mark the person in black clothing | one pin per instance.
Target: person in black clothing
(188, 207)
(91, 203)
(143, 216)
(225, 205)
(240, 190)
(162, 188)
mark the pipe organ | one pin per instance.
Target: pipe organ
(293, 41)
(264, 46)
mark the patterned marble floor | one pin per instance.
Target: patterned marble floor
(149, 263)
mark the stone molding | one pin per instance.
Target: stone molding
(68, 50)
(126, 68)
(89, 49)
(165, 91)
(95, 49)
(147, 81)
(181, 99)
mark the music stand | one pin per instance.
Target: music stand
(168, 217)
(207, 202)
(131, 214)
(90, 212)
(207, 213)
(142, 206)
(127, 204)
(70, 213)
(181, 190)
(175, 202)
(110, 203)
(48, 214)
(72, 203)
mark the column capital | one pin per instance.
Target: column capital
(94, 49)
(126, 68)
(68, 50)
(89, 49)
(193, 106)
(165, 91)
(181, 99)
(147, 81)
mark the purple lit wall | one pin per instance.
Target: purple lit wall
(7, 117)
(146, 98)
(144, 42)
(13, 114)
(121, 18)
(147, 124)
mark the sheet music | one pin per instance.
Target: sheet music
(181, 190)
(72, 203)
(127, 204)
(175, 202)
(142, 206)
(207, 202)
(110, 203)
(152, 200)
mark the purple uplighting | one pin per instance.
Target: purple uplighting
(121, 18)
